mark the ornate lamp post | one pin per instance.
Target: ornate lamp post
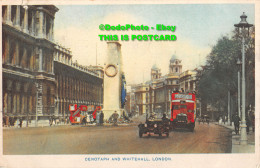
(243, 25)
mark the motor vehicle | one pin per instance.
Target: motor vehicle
(154, 125)
(183, 110)
(83, 114)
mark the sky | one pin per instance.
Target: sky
(198, 27)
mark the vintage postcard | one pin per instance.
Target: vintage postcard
(129, 84)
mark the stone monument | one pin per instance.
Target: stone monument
(112, 80)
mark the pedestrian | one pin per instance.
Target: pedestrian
(236, 121)
(164, 118)
(247, 124)
(21, 122)
(252, 117)
(97, 117)
(68, 120)
(101, 118)
(4, 121)
(50, 121)
(84, 121)
(53, 120)
(115, 117)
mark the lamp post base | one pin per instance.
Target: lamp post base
(243, 137)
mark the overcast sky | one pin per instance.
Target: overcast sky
(197, 29)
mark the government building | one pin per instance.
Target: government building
(155, 95)
(39, 78)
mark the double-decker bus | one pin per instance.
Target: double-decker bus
(183, 110)
(83, 114)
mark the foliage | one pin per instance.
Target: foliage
(220, 75)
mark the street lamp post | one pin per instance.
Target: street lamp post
(243, 25)
(228, 117)
(238, 87)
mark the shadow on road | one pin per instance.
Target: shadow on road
(182, 130)
(154, 137)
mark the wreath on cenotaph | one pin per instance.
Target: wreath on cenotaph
(111, 70)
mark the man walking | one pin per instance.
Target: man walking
(115, 117)
(236, 120)
(101, 118)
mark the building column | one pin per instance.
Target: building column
(51, 29)
(57, 101)
(16, 56)
(24, 62)
(5, 102)
(22, 97)
(32, 23)
(40, 60)
(188, 85)
(9, 14)
(7, 50)
(25, 19)
(41, 16)
(17, 17)
(39, 103)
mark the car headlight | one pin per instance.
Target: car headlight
(155, 125)
(145, 125)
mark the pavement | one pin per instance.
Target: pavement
(45, 123)
(236, 147)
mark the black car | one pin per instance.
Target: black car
(155, 126)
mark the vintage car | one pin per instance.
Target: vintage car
(155, 125)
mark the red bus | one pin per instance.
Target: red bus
(183, 110)
(83, 114)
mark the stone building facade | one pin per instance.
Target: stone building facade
(142, 102)
(158, 90)
(34, 86)
(188, 80)
(27, 54)
(161, 88)
(76, 84)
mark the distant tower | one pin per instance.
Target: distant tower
(175, 66)
(155, 72)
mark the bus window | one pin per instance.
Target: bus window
(183, 107)
(175, 107)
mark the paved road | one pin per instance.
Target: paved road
(114, 140)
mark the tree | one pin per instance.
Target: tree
(220, 73)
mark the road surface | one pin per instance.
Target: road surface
(113, 140)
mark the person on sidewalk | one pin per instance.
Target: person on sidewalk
(236, 121)
(247, 124)
(115, 117)
(97, 118)
(21, 122)
(252, 117)
(101, 118)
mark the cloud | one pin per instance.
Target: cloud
(138, 56)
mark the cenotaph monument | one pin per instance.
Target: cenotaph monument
(112, 80)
